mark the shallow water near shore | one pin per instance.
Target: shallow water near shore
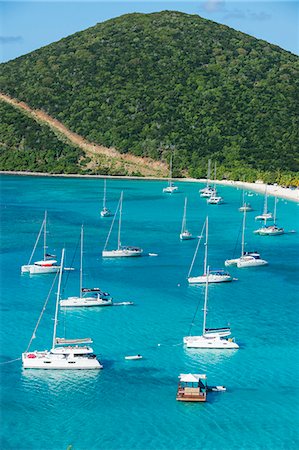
(131, 404)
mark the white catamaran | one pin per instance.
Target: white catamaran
(211, 337)
(171, 188)
(215, 199)
(208, 191)
(215, 276)
(247, 259)
(48, 264)
(185, 234)
(121, 251)
(87, 296)
(65, 354)
(270, 230)
(105, 211)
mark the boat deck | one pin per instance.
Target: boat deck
(191, 394)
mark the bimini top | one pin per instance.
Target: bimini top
(192, 377)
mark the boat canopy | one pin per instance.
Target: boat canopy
(47, 262)
(96, 290)
(91, 290)
(74, 341)
(191, 377)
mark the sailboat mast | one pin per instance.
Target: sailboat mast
(209, 172)
(119, 223)
(215, 171)
(81, 262)
(205, 304)
(45, 235)
(184, 217)
(57, 298)
(266, 202)
(170, 170)
(243, 233)
(275, 203)
(206, 247)
(104, 198)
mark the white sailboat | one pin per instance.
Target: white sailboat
(245, 206)
(215, 338)
(121, 251)
(185, 234)
(48, 264)
(105, 211)
(215, 199)
(266, 215)
(65, 354)
(215, 276)
(270, 230)
(87, 296)
(247, 259)
(208, 191)
(171, 188)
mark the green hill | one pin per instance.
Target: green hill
(151, 83)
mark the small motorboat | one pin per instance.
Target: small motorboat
(217, 388)
(131, 357)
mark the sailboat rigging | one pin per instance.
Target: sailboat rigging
(270, 230)
(215, 199)
(185, 234)
(247, 259)
(215, 338)
(87, 296)
(208, 191)
(105, 211)
(121, 251)
(48, 264)
(215, 276)
(266, 215)
(65, 354)
(171, 188)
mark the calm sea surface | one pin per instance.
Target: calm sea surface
(131, 404)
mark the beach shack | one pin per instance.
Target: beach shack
(192, 387)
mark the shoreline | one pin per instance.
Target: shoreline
(276, 191)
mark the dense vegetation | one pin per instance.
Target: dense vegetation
(26, 145)
(149, 84)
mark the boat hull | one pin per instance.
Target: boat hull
(47, 361)
(84, 302)
(215, 200)
(264, 217)
(121, 253)
(212, 279)
(269, 232)
(231, 262)
(186, 236)
(210, 342)
(245, 208)
(170, 190)
(106, 213)
(251, 262)
(35, 269)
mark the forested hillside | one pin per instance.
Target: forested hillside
(149, 84)
(29, 146)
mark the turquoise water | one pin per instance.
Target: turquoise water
(131, 404)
